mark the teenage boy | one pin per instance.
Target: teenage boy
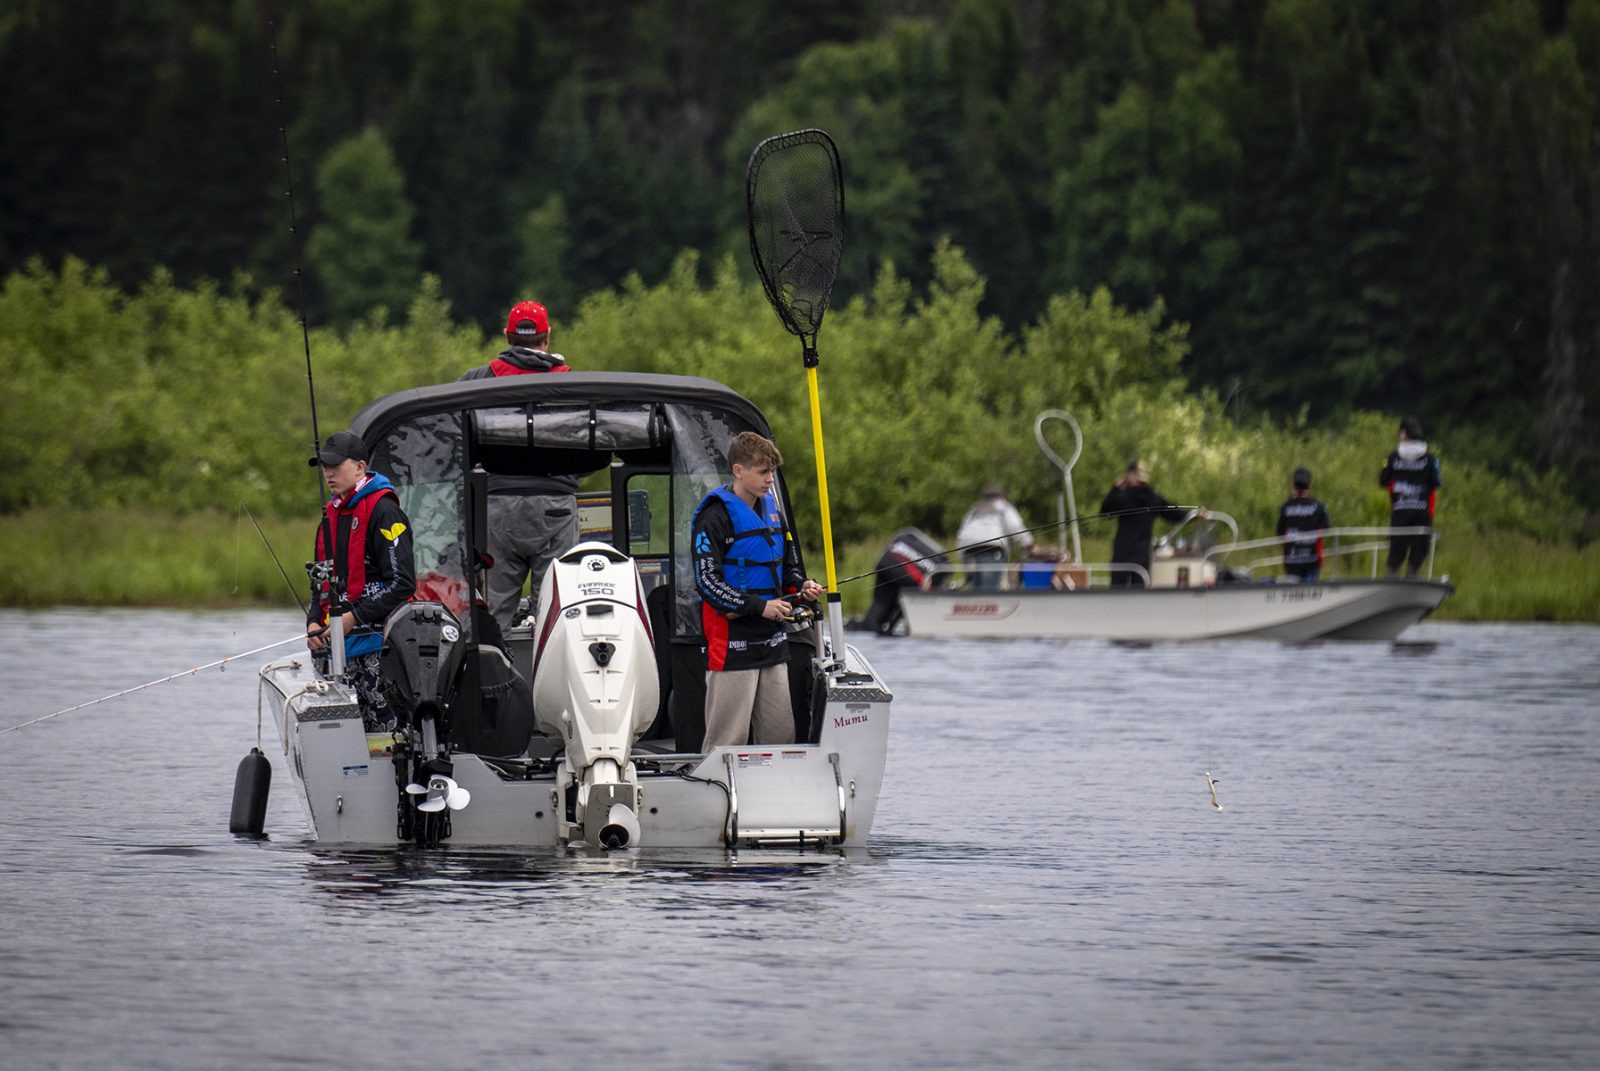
(745, 568)
(366, 535)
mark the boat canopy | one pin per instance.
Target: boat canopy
(663, 439)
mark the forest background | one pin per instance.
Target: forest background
(1230, 236)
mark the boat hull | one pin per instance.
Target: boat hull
(821, 793)
(1292, 613)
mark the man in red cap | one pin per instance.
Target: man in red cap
(531, 518)
(528, 332)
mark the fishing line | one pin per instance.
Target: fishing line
(294, 594)
(298, 637)
(1007, 535)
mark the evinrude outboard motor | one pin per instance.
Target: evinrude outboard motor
(595, 687)
(422, 652)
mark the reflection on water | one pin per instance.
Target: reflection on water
(1405, 874)
(432, 873)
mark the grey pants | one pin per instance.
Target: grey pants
(526, 532)
(748, 706)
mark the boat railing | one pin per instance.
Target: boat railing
(1373, 540)
(1075, 576)
(1340, 546)
(1204, 540)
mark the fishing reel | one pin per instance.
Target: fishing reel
(325, 596)
(802, 616)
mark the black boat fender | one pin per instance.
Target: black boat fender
(250, 787)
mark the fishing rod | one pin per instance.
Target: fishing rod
(319, 574)
(1008, 535)
(298, 637)
(294, 241)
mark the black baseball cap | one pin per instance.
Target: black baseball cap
(341, 446)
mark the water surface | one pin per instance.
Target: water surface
(1404, 873)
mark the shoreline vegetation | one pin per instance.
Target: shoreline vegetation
(127, 478)
(142, 558)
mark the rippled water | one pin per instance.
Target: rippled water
(1405, 872)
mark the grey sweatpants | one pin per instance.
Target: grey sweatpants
(748, 706)
(526, 532)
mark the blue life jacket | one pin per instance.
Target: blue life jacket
(753, 562)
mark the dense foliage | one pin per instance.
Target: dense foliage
(1354, 204)
(195, 399)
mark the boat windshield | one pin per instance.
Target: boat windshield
(663, 457)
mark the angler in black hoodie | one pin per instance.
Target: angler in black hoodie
(1411, 476)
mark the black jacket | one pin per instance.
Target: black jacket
(1132, 541)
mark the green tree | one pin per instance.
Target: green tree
(543, 259)
(858, 93)
(362, 253)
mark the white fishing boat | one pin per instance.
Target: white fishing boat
(1199, 586)
(580, 745)
(1273, 608)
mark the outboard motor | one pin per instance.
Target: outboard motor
(422, 652)
(910, 558)
(595, 687)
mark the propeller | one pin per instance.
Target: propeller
(442, 792)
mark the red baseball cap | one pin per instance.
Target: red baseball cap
(527, 320)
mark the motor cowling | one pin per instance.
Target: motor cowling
(594, 672)
(422, 652)
(595, 685)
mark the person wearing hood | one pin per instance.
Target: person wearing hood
(532, 518)
(367, 537)
(1411, 476)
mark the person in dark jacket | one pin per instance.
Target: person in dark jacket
(1302, 514)
(366, 536)
(531, 518)
(1136, 506)
(747, 572)
(1411, 476)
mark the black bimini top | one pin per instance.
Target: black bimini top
(565, 390)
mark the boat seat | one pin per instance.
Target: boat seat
(501, 721)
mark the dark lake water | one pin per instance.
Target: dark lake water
(1405, 873)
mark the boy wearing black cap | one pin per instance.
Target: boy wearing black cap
(1302, 556)
(366, 536)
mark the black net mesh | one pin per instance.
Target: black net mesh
(796, 200)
